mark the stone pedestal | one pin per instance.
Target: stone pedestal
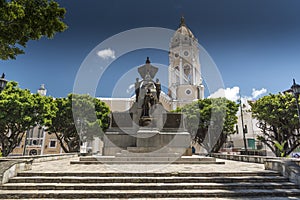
(169, 137)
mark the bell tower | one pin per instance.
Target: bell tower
(185, 81)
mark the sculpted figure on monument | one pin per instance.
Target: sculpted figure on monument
(148, 102)
(137, 89)
(158, 89)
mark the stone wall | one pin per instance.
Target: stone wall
(288, 167)
(10, 166)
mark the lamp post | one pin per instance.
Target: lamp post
(296, 91)
(243, 127)
(3, 82)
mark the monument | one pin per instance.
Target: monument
(148, 131)
(146, 127)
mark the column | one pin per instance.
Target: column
(181, 71)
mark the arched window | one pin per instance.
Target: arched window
(187, 70)
(187, 73)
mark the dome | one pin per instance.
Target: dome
(184, 30)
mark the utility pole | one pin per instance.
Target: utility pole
(243, 127)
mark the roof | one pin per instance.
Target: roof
(183, 29)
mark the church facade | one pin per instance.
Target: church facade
(184, 74)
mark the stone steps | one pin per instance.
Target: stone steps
(137, 157)
(191, 198)
(146, 186)
(126, 153)
(133, 158)
(149, 174)
(143, 162)
(196, 198)
(99, 194)
(251, 179)
(98, 185)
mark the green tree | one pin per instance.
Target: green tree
(79, 115)
(63, 126)
(24, 20)
(19, 111)
(278, 120)
(210, 121)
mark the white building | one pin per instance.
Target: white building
(251, 130)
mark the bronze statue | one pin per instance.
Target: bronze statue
(137, 89)
(148, 102)
(158, 89)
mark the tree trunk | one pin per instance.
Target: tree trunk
(62, 143)
(220, 142)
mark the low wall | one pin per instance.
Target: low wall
(242, 158)
(42, 158)
(288, 167)
(10, 166)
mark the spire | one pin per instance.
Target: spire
(182, 21)
(147, 61)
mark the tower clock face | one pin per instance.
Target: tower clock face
(185, 53)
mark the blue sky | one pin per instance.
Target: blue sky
(254, 43)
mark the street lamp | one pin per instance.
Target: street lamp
(3, 82)
(296, 91)
(244, 127)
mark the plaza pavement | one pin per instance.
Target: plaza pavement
(229, 166)
(65, 166)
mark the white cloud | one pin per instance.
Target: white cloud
(229, 93)
(256, 93)
(106, 54)
(233, 94)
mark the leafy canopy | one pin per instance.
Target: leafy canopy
(19, 111)
(278, 120)
(79, 115)
(24, 20)
(210, 121)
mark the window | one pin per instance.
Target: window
(185, 53)
(188, 74)
(33, 152)
(52, 144)
(187, 70)
(34, 142)
(188, 92)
